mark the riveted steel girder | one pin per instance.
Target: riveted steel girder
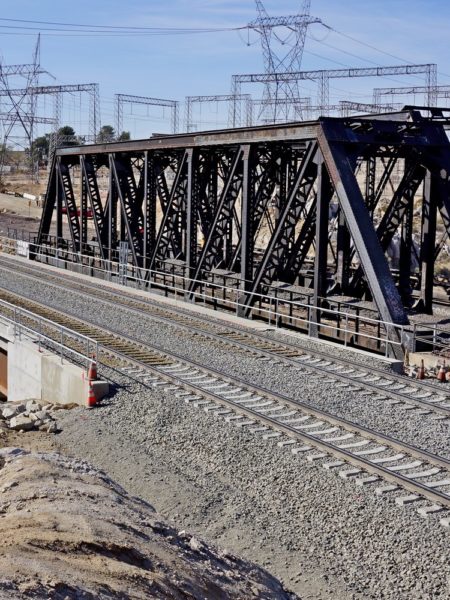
(250, 202)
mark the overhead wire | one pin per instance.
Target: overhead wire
(55, 28)
(372, 47)
(110, 29)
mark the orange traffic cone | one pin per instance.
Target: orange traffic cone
(92, 372)
(441, 373)
(421, 371)
(91, 399)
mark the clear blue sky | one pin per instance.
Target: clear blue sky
(177, 66)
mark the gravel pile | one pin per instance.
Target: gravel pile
(423, 431)
(70, 532)
(325, 538)
(28, 416)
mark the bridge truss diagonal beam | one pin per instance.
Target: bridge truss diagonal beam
(358, 220)
(244, 204)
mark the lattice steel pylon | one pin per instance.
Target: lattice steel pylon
(21, 110)
(274, 106)
(121, 99)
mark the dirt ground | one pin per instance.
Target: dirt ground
(18, 214)
(68, 531)
(33, 441)
(20, 217)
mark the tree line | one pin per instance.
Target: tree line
(67, 136)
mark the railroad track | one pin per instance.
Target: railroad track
(377, 383)
(357, 452)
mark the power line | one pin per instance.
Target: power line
(371, 47)
(93, 28)
(366, 44)
(102, 35)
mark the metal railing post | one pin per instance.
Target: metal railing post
(309, 318)
(40, 333)
(346, 330)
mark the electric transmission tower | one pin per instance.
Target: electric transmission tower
(21, 109)
(279, 97)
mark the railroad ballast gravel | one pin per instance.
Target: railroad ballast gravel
(325, 538)
(423, 431)
(321, 535)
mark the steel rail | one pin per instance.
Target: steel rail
(275, 352)
(163, 357)
(136, 353)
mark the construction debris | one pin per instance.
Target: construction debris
(32, 415)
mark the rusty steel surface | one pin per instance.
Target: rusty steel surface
(244, 201)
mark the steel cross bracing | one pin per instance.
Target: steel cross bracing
(314, 204)
(439, 91)
(10, 70)
(323, 76)
(8, 118)
(302, 109)
(56, 90)
(246, 99)
(274, 107)
(347, 107)
(122, 99)
(92, 89)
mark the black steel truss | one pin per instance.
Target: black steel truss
(257, 202)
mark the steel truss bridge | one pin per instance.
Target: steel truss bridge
(312, 204)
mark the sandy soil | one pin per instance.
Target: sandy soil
(17, 214)
(68, 531)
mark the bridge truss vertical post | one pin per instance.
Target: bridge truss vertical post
(191, 213)
(111, 210)
(343, 254)
(427, 251)
(84, 207)
(324, 193)
(247, 225)
(406, 252)
(59, 221)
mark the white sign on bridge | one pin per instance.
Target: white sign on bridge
(23, 248)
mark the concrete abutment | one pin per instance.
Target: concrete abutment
(28, 371)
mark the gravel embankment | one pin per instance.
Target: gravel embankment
(83, 537)
(423, 431)
(325, 538)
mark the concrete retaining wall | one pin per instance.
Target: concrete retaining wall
(62, 384)
(39, 374)
(24, 371)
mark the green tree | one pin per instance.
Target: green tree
(40, 147)
(106, 134)
(66, 136)
(124, 136)
(41, 144)
(66, 130)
